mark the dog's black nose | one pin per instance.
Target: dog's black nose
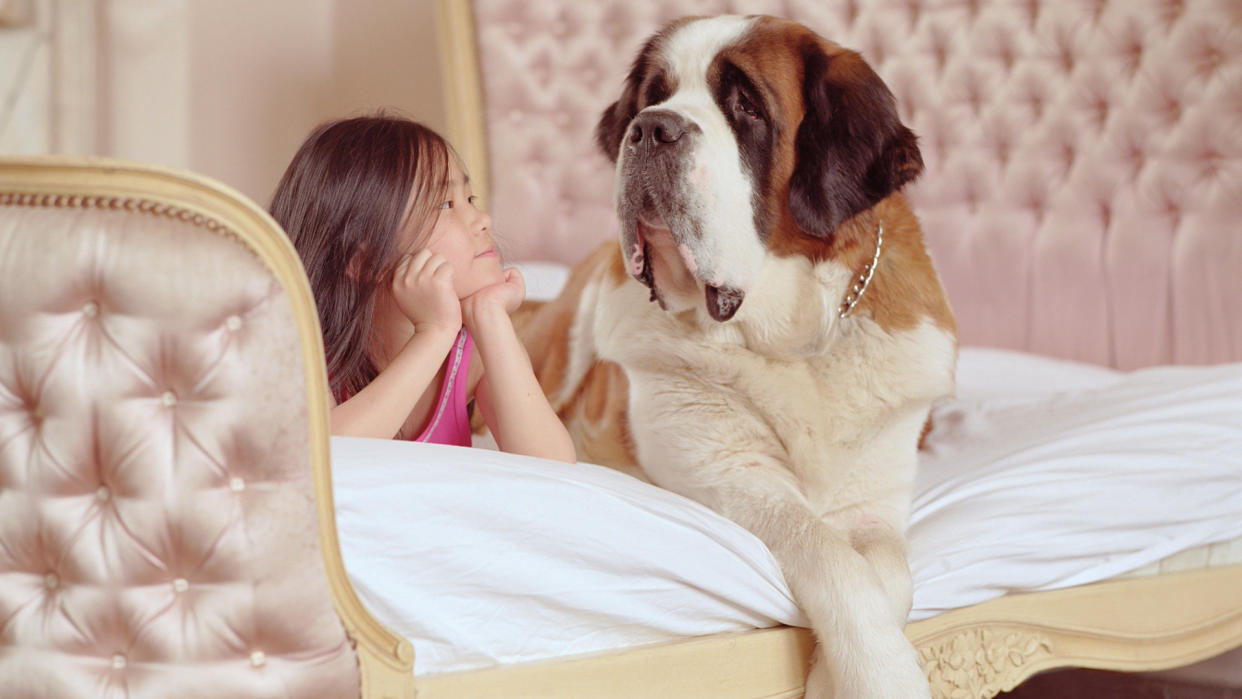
(657, 130)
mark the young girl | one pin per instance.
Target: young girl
(412, 297)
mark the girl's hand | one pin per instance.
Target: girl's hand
(422, 287)
(507, 295)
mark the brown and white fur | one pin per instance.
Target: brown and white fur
(754, 163)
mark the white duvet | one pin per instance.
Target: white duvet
(1042, 474)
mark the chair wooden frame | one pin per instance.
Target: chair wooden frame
(385, 659)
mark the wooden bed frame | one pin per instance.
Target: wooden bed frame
(1134, 625)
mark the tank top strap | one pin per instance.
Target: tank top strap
(450, 423)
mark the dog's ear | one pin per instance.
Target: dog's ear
(615, 120)
(646, 85)
(851, 149)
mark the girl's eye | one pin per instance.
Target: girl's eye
(447, 205)
(474, 200)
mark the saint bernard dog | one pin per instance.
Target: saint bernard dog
(770, 334)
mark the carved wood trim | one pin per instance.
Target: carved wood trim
(980, 663)
(1140, 624)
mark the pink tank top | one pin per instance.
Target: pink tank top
(450, 421)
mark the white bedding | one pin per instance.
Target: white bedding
(1043, 474)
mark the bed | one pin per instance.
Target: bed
(1080, 196)
(177, 521)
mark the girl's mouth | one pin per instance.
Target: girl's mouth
(490, 252)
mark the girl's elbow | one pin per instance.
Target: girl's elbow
(568, 453)
(559, 447)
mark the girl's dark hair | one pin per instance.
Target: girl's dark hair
(343, 201)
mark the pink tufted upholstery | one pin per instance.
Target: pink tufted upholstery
(157, 523)
(1084, 157)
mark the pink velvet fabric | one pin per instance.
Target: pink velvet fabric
(1084, 158)
(157, 523)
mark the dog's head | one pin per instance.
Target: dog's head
(738, 137)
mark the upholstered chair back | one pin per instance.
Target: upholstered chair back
(158, 528)
(1084, 157)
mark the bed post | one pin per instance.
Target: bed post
(463, 95)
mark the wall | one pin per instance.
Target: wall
(226, 88)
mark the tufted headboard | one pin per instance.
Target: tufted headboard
(1083, 188)
(163, 449)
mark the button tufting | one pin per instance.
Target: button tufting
(51, 581)
(118, 661)
(1032, 13)
(1006, 56)
(1037, 104)
(233, 323)
(1172, 109)
(1211, 61)
(237, 484)
(180, 585)
(91, 309)
(169, 398)
(1100, 109)
(1066, 57)
(102, 493)
(258, 659)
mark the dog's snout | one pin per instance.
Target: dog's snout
(655, 131)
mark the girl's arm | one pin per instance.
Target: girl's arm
(382, 407)
(422, 289)
(509, 396)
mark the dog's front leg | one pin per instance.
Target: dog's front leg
(887, 554)
(862, 651)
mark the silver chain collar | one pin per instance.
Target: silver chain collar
(860, 286)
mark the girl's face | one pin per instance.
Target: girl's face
(463, 236)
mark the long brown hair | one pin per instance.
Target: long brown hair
(343, 200)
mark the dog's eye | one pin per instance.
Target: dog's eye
(743, 105)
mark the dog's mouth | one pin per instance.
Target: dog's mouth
(662, 260)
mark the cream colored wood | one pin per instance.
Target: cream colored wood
(463, 92)
(762, 663)
(75, 77)
(386, 659)
(1131, 625)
